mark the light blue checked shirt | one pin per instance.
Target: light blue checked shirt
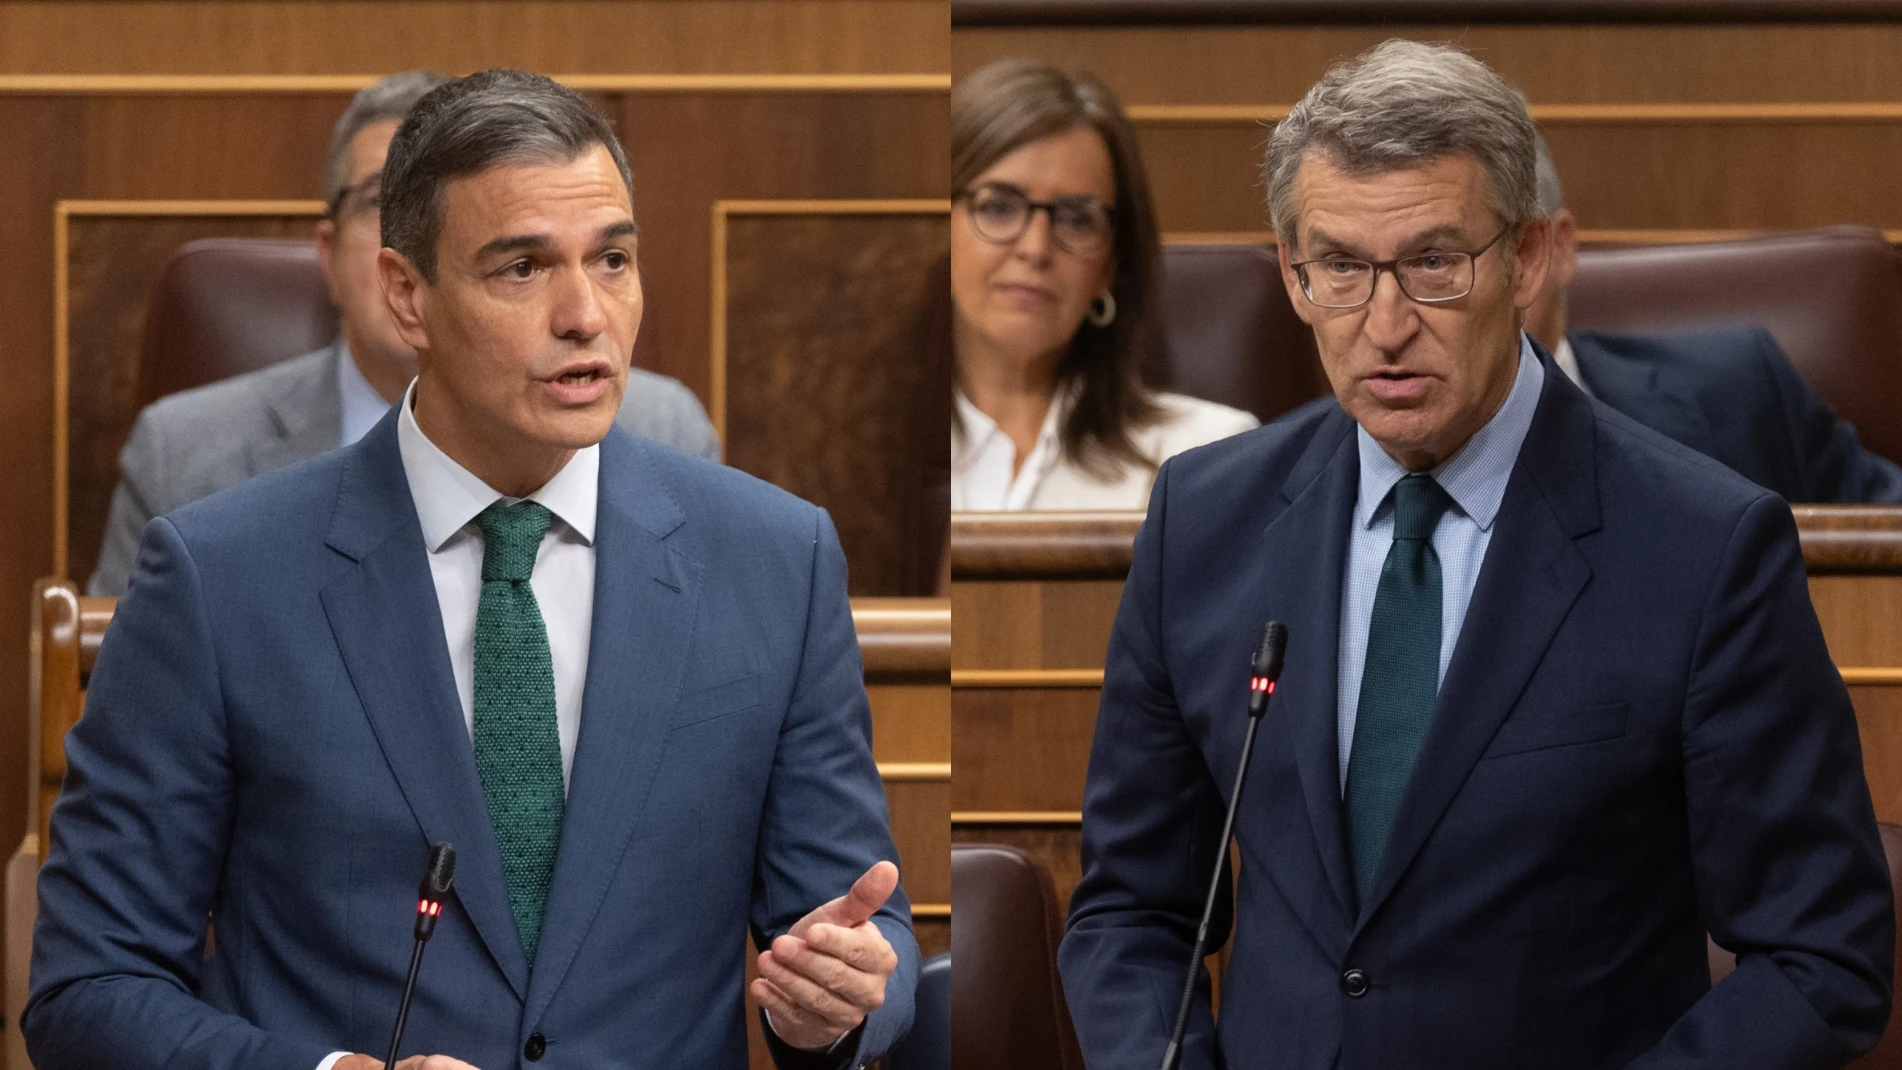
(1475, 478)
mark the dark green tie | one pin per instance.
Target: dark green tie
(1401, 678)
(517, 750)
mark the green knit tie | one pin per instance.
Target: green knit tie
(1401, 680)
(517, 750)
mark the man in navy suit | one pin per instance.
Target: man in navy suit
(1729, 393)
(1555, 704)
(622, 681)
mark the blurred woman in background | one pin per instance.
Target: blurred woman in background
(1054, 261)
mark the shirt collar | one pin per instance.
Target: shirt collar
(978, 427)
(448, 496)
(360, 405)
(1475, 477)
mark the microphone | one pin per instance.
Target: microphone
(438, 874)
(1264, 670)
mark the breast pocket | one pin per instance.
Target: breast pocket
(734, 696)
(1593, 724)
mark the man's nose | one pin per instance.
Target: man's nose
(576, 311)
(1392, 317)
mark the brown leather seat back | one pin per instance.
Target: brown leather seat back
(226, 306)
(1888, 1053)
(1832, 298)
(1229, 333)
(1007, 1004)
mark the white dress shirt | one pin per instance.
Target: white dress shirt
(983, 456)
(1475, 478)
(359, 405)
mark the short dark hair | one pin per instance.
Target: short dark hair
(469, 125)
(1009, 104)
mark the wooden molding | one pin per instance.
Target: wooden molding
(1866, 676)
(179, 84)
(915, 772)
(970, 818)
(1109, 13)
(1027, 678)
(1562, 114)
(1078, 546)
(934, 911)
(903, 635)
(722, 211)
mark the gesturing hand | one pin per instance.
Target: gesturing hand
(828, 972)
(414, 1062)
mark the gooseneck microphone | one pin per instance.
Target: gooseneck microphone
(438, 875)
(1265, 669)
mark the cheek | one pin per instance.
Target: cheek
(972, 262)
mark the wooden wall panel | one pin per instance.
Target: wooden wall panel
(821, 378)
(1032, 624)
(1020, 749)
(1634, 62)
(457, 36)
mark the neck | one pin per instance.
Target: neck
(1429, 458)
(514, 468)
(1012, 390)
(388, 378)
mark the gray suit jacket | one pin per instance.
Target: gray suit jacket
(197, 442)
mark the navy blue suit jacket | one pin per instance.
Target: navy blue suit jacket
(1640, 738)
(272, 738)
(1732, 394)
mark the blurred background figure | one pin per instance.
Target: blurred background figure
(204, 440)
(1729, 393)
(1054, 261)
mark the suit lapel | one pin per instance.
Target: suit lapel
(387, 625)
(1532, 575)
(1305, 548)
(308, 414)
(645, 597)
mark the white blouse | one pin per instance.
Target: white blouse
(982, 456)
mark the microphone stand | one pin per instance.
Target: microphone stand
(438, 875)
(1266, 669)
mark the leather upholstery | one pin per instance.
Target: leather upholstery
(1008, 1007)
(1832, 297)
(226, 306)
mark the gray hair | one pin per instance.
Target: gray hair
(388, 98)
(1403, 103)
(491, 118)
(1551, 194)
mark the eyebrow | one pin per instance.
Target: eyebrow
(1322, 239)
(516, 243)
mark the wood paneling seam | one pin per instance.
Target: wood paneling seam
(1563, 114)
(183, 84)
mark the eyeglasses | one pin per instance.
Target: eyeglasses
(1000, 213)
(1429, 278)
(367, 194)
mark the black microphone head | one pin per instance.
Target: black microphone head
(441, 871)
(1274, 644)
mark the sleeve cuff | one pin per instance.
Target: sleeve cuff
(331, 1060)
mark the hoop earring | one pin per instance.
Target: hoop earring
(1102, 310)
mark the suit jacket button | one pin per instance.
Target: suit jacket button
(534, 1048)
(1355, 983)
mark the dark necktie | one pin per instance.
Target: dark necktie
(517, 749)
(1401, 678)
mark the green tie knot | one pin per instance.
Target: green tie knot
(1417, 504)
(511, 535)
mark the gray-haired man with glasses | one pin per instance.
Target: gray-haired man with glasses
(1555, 705)
(193, 444)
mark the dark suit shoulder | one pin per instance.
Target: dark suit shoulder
(1260, 460)
(1714, 347)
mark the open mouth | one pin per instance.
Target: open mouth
(579, 378)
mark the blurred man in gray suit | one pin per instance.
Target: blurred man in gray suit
(197, 442)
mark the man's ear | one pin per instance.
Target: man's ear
(1284, 255)
(1564, 248)
(1533, 256)
(327, 248)
(407, 294)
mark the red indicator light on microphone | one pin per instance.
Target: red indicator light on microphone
(425, 906)
(1261, 684)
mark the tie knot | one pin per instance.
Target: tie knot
(1417, 504)
(511, 534)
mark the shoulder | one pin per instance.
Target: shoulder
(265, 516)
(1188, 422)
(241, 397)
(1712, 351)
(1258, 460)
(660, 391)
(713, 505)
